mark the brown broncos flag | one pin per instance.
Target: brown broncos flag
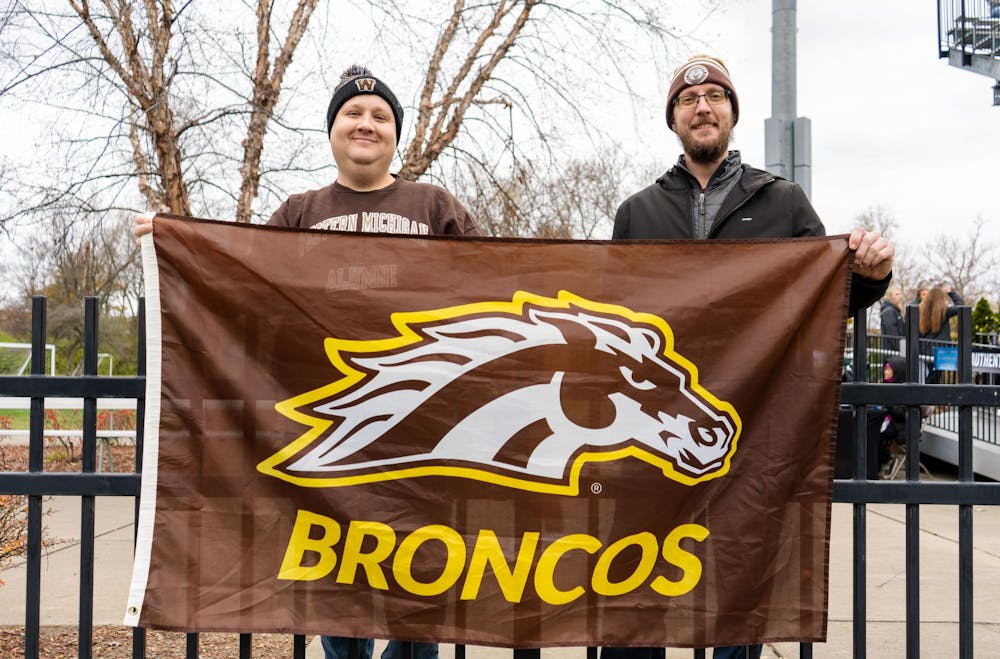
(496, 442)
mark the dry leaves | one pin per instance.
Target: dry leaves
(115, 642)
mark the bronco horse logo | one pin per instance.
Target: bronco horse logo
(520, 393)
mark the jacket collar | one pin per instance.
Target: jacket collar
(726, 169)
(751, 180)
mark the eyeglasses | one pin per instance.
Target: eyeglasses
(714, 97)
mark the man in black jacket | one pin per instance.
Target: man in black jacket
(710, 193)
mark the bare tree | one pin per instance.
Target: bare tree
(908, 269)
(588, 193)
(14, 516)
(151, 89)
(577, 201)
(968, 263)
(878, 217)
(503, 205)
(267, 81)
(523, 74)
(76, 260)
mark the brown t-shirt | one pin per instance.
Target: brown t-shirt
(400, 207)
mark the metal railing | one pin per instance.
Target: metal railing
(969, 27)
(964, 396)
(985, 421)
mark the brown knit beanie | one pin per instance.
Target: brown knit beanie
(699, 70)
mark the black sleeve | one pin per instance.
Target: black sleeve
(621, 229)
(866, 292)
(898, 414)
(888, 321)
(805, 219)
(952, 311)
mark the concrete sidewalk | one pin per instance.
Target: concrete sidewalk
(886, 629)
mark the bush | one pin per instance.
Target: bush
(13, 522)
(14, 515)
(984, 320)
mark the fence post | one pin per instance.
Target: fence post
(860, 473)
(88, 451)
(912, 546)
(965, 475)
(32, 614)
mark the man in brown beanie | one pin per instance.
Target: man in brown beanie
(710, 193)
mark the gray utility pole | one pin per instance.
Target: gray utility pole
(787, 138)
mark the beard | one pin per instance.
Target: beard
(706, 153)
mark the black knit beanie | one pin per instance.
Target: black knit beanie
(359, 80)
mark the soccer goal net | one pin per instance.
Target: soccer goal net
(15, 358)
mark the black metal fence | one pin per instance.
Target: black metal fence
(963, 396)
(938, 361)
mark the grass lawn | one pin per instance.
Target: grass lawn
(18, 419)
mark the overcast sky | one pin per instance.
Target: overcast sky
(891, 123)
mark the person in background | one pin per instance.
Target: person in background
(893, 325)
(936, 312)
(892, 435)
(922, 291)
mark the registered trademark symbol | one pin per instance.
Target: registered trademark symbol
(596, 488)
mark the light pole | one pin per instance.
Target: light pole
(787, 138)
